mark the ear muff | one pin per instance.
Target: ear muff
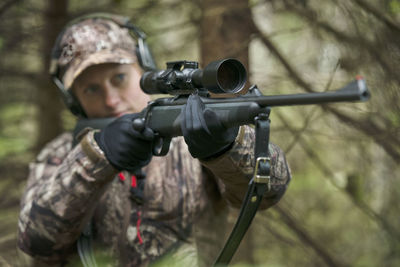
(143, 53)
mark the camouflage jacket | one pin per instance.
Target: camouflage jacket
(180, 219)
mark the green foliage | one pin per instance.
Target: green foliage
(354, 186)
(68, 119)
(16, 135)
(394, 6)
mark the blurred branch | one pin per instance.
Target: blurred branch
(391, 232)
(294, 75)
(286, 31)
(278, 236)
(295, 226)
(107, 7)
(7, 5)
(369, 128)
(359, 41)
(172, 28)
(297, 133)
(388, 141)
(4, 262)
(310, 153)
(378, 15)
(18, 74)
(151, 4)
(344, 6)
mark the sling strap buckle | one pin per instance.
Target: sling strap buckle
(261, 171)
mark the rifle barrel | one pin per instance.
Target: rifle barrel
(354, 91)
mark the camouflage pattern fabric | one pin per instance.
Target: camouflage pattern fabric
(90, 42)
(185, 201)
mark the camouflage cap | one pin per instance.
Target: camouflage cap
(93, 41)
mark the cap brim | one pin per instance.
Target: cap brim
(78, 65)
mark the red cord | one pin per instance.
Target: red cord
(133, 181)
(137, 229)
(134, 184)
(121, 176)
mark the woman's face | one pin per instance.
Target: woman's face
(110, 90)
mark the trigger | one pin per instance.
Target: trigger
(161, 146)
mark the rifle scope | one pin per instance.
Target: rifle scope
(184, 77)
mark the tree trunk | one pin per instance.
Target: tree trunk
(225, 31)
(48, 100)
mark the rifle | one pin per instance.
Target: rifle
(225, 77)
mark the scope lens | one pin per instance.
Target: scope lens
(231, 76)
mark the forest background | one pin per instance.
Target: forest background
(341, 208)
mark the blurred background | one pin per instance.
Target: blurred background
(341, 208)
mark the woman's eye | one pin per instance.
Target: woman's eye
(91, 90)
(119, 78)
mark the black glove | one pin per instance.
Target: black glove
(126, 148)
(203, 132)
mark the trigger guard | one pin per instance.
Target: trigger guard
(161, 146)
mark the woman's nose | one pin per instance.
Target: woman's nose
(112, 97)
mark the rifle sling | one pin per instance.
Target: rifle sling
(258, 186)
(84, 245)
